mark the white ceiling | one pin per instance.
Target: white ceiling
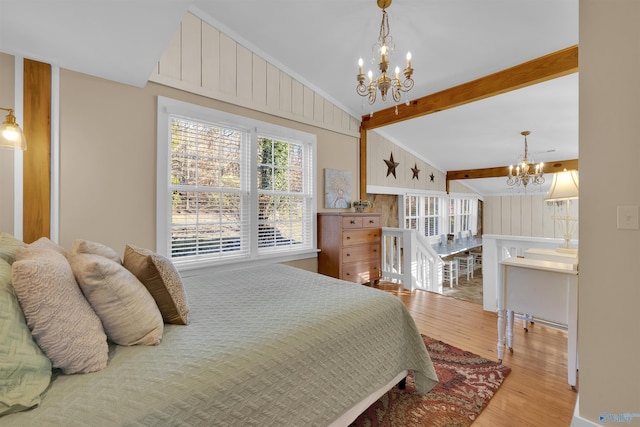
(319, 43)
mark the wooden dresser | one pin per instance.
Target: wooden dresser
(350, 246)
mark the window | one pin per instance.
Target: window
(422, 213)
(231, 188)
(462, 214)
(429, 214)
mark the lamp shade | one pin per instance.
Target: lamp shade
(564, 186)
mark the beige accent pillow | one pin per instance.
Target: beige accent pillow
(162, 280)
(129, 314)
(61, 320)
(86, 247)
(8, 247)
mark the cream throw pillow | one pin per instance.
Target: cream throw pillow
(87, 247)
(162, 280)
(129, 314)
(61, 320)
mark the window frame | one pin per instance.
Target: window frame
(168, 108)
(445, 218)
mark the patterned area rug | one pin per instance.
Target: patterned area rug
(467, 383)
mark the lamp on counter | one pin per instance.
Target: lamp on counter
(565, 188)
(11, 135)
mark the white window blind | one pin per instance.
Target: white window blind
(285, 205)
(207, 190)
(230, 187)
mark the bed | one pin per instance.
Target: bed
(266, 345)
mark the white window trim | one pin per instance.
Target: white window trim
(167, 107)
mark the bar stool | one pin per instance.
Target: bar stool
(450, 271)
(477, 258)
(465, 265)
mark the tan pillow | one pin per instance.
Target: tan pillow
(162, 280)
(86, 247)
(61, 320)
(129, 314)
(42, 244)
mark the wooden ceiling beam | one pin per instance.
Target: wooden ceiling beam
(551, 66)
(500, 171)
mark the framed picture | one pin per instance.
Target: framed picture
(337, 189)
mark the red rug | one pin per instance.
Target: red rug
(466, 384)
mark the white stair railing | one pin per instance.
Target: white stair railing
(408, 258)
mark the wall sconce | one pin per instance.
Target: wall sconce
(11, 135)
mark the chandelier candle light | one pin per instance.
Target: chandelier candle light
(384, 83)
(526, 173)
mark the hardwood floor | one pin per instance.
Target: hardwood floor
(536, 392)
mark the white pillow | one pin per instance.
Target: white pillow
(129, 314)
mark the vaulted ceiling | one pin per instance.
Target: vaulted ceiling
(319, 43)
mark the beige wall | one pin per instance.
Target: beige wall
(6, 156)
(108, 158)
(609, 344)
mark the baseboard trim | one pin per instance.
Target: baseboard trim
(577, 420)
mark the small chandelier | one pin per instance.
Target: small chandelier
(526, 173)
(384, 83)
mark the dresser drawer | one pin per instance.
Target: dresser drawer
(371, 222)
(361, 272)
(358, 237)
(360, 253)
(351, 222)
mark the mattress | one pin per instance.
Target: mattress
(266, 346)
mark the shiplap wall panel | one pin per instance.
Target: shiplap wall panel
(503, 217)
(210, 57)
(526, 224)
(228, 65)
(308, 103)
(259, 80)
(191, 50)
(170, 60)
(318, 108)
(205, 61)
(328, 112)
(244, 73)
(273, 87)
(297, 98)
(506, 216)
(286, 93)
(537, 217)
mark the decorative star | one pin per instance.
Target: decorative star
(391, 166)
(415, 171)
(432, 177)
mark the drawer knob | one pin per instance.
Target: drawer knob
(371, 221)
(348, 254)
(375, 250)
(348, 237)
(353, 221)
